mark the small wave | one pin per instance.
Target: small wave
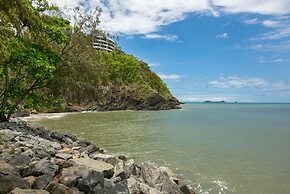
(34, 117)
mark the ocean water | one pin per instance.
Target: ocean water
(217, 148)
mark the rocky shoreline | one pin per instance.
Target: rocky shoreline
(37, 161)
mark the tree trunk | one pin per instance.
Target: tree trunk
(3, 117)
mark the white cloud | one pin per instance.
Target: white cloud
(153, 64)
(281, 86)
(261, 59)
(281, 23)
(145, 17)
(275, 35)
(257, 84)
(222, 36)
(264, 7)
(251, 21)
(280, 60)
(282, 46)
(238, 82)
(272, 59)
(170, 37)
(271, 23)
(169, 76)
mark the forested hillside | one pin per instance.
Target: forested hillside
(49, 64)
(110, 81)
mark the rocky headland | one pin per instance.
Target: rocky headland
(37, 161)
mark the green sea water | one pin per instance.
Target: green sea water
(217, 148)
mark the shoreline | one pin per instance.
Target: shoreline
(55, 115)
(35, 156)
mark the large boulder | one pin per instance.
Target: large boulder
(82, 177)
(63, 156)
(28, 191)
(41, 167)
(20, 160)
(158, 178)
(96, 165)
(106, 158)
(170, 174)
(186, 189)
(110, 188)
(92, 148)
(56, 188)
(119, 170)
(6, 168)
(10, 182)
(42, 181)
(131, 168)
(135, 186)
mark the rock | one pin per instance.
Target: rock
(29, 153)
(119, 170)
(30, 179)
(158, 178)
(66, 138)
(65, 164)
(186, 189)
(121, 157)
(10, 182)
(20, 160)
(63, 156)
(82, 177)
(41, 167)
(57, 136)
(5, 157)
(131, 168)
(170, 174)
(28, 191)
(56, 188)
(92, 148)
(41, 182)
(102, 157)
(106, 158)
(9, 135)
(6, 168)
(136, 187)
(96, 165)
(83, 143)
(66, 150)
(110, 188)
(76, 148)
(40, 153)
(55, 145)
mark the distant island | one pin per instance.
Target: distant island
(208, 101)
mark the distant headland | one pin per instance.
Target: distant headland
(209, 101)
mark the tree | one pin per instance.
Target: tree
(30, 40)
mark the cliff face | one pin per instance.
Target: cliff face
(114, 81)
(124, 98)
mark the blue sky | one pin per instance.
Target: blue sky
(207, 49)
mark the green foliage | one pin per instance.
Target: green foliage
(44, 60)
(88, 72)
(29, 48)
(127, 69)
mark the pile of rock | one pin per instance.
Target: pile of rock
(34, 160)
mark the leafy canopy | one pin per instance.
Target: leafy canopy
(29, 47)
